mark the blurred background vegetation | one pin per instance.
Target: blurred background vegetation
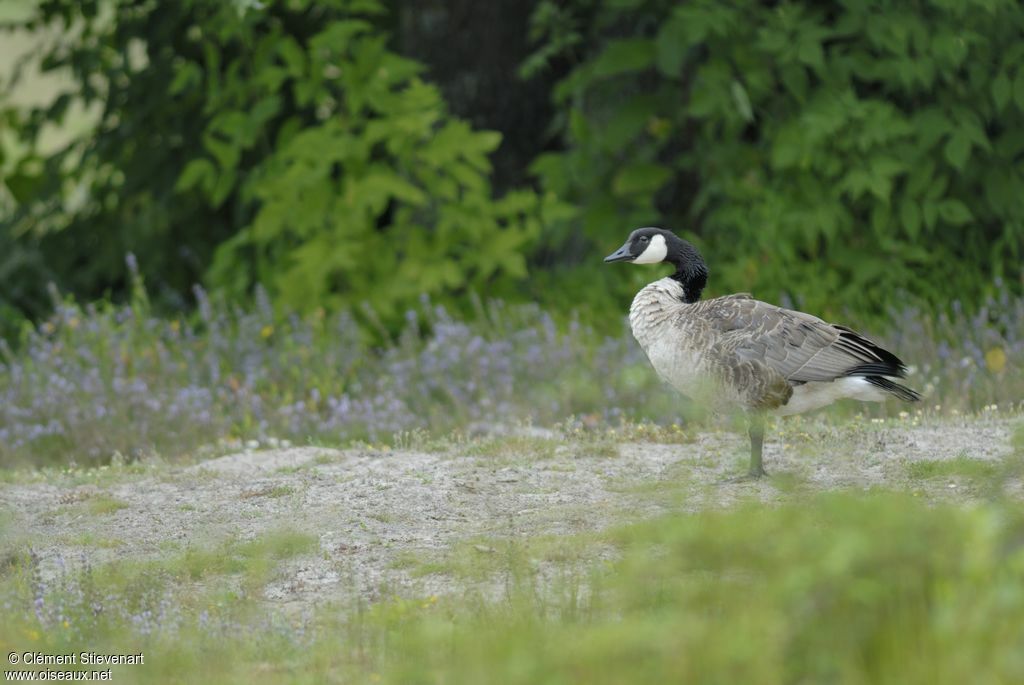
(346, 219)
(844, 157)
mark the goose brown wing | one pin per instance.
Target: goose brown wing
(798, 346)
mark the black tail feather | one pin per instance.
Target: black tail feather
(878, 361)
(900, 391)
(877, 369)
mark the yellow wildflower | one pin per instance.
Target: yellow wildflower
(995, 359)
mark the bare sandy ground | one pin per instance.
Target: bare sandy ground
(370, 509)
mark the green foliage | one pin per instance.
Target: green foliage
(386, 202)
(830, 156)
(848, 588)
(383, 201)
(833, 154)
(964, 466)
(284, 144)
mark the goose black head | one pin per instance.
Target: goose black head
(655, 245)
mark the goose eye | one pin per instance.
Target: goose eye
(644, 239)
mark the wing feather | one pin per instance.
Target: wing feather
(798, 346)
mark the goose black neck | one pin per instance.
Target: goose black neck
(691, 271)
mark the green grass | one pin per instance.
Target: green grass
(842, 589)
(511, 449)
(271, 492)
(254, 560)
(482, 559)
(961, 465)
(570, 443)
(223, 570)
(981, 471)
(90, 540)
(847, 588)
(104, 504)
(1017, 440)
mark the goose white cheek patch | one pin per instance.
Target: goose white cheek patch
(654, 253)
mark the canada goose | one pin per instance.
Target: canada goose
(746, 353)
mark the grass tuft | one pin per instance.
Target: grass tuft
(104, 504)
(270, 491)
(961, 465)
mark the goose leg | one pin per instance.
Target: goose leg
(756, 432)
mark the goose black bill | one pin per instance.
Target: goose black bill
(620, 255)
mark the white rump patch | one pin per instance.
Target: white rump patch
(811, 396)
(655, 252)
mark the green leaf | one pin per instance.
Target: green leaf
(486, 141)
(954, 212)
(628, 121)
(858, 181)
(881, 216)
(742, 100)
(640, 177)
(187, 75)
(910, 217)
(920, 177)
(971, 127)
(393, 185)
(671, 46)
(788, 147)
(623, 56)
(23, 186)
(931, 124)
(223, 184)
(794, 78)
(957, 150)
(1002, 89)
(887, 166)
(516, 202)
(1018, 88)
(198, 172)
(929, 212)
(937, 187)
(579, 126)
(810, 53)
(292, 55)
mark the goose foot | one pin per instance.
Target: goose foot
(751, 476)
